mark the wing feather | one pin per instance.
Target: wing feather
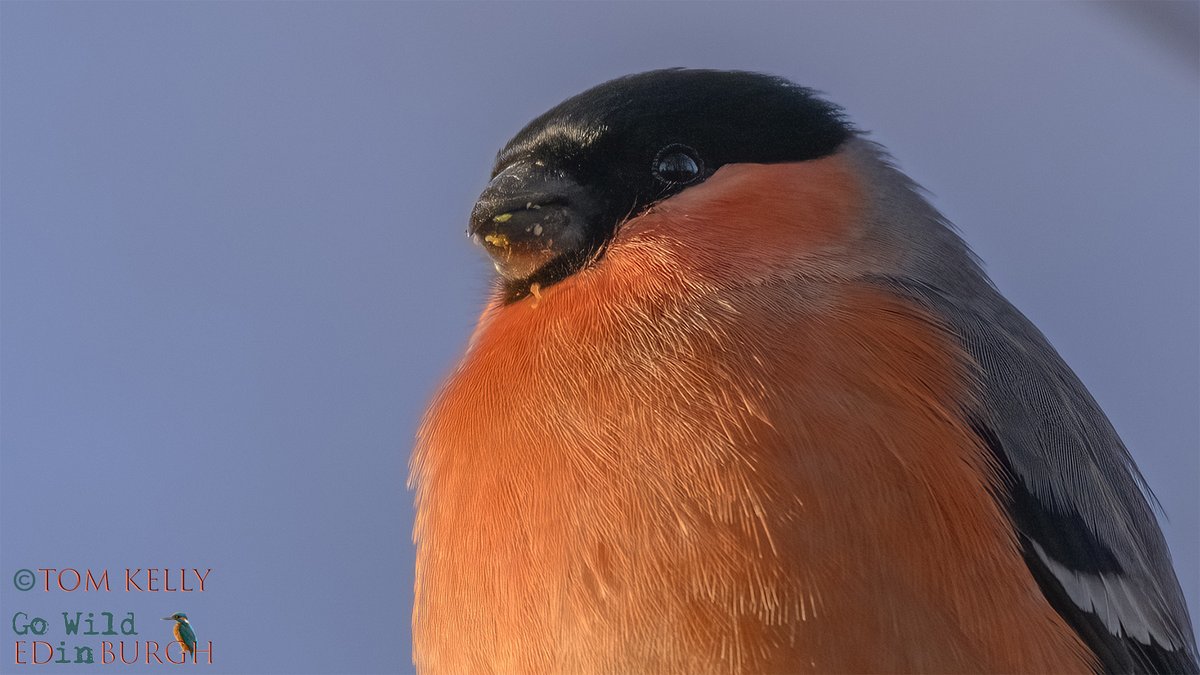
(1075, 496)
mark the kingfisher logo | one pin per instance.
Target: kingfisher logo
(108, 638)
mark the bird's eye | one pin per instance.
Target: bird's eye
(677, 164)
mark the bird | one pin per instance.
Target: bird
(184, 634)
(742, 400)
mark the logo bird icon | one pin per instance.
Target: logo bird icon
(184, 635)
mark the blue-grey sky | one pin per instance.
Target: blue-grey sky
(234, 270)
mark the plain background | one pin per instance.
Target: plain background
(234, 268)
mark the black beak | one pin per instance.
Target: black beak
(528, 218)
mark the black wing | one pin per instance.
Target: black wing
(1074, 495)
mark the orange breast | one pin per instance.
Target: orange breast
(187, 647)
(656, 469)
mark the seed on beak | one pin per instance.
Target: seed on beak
(497, 240)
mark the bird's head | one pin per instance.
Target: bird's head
(562, 189)
(177, 616)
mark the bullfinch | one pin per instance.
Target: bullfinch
(743, 401)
